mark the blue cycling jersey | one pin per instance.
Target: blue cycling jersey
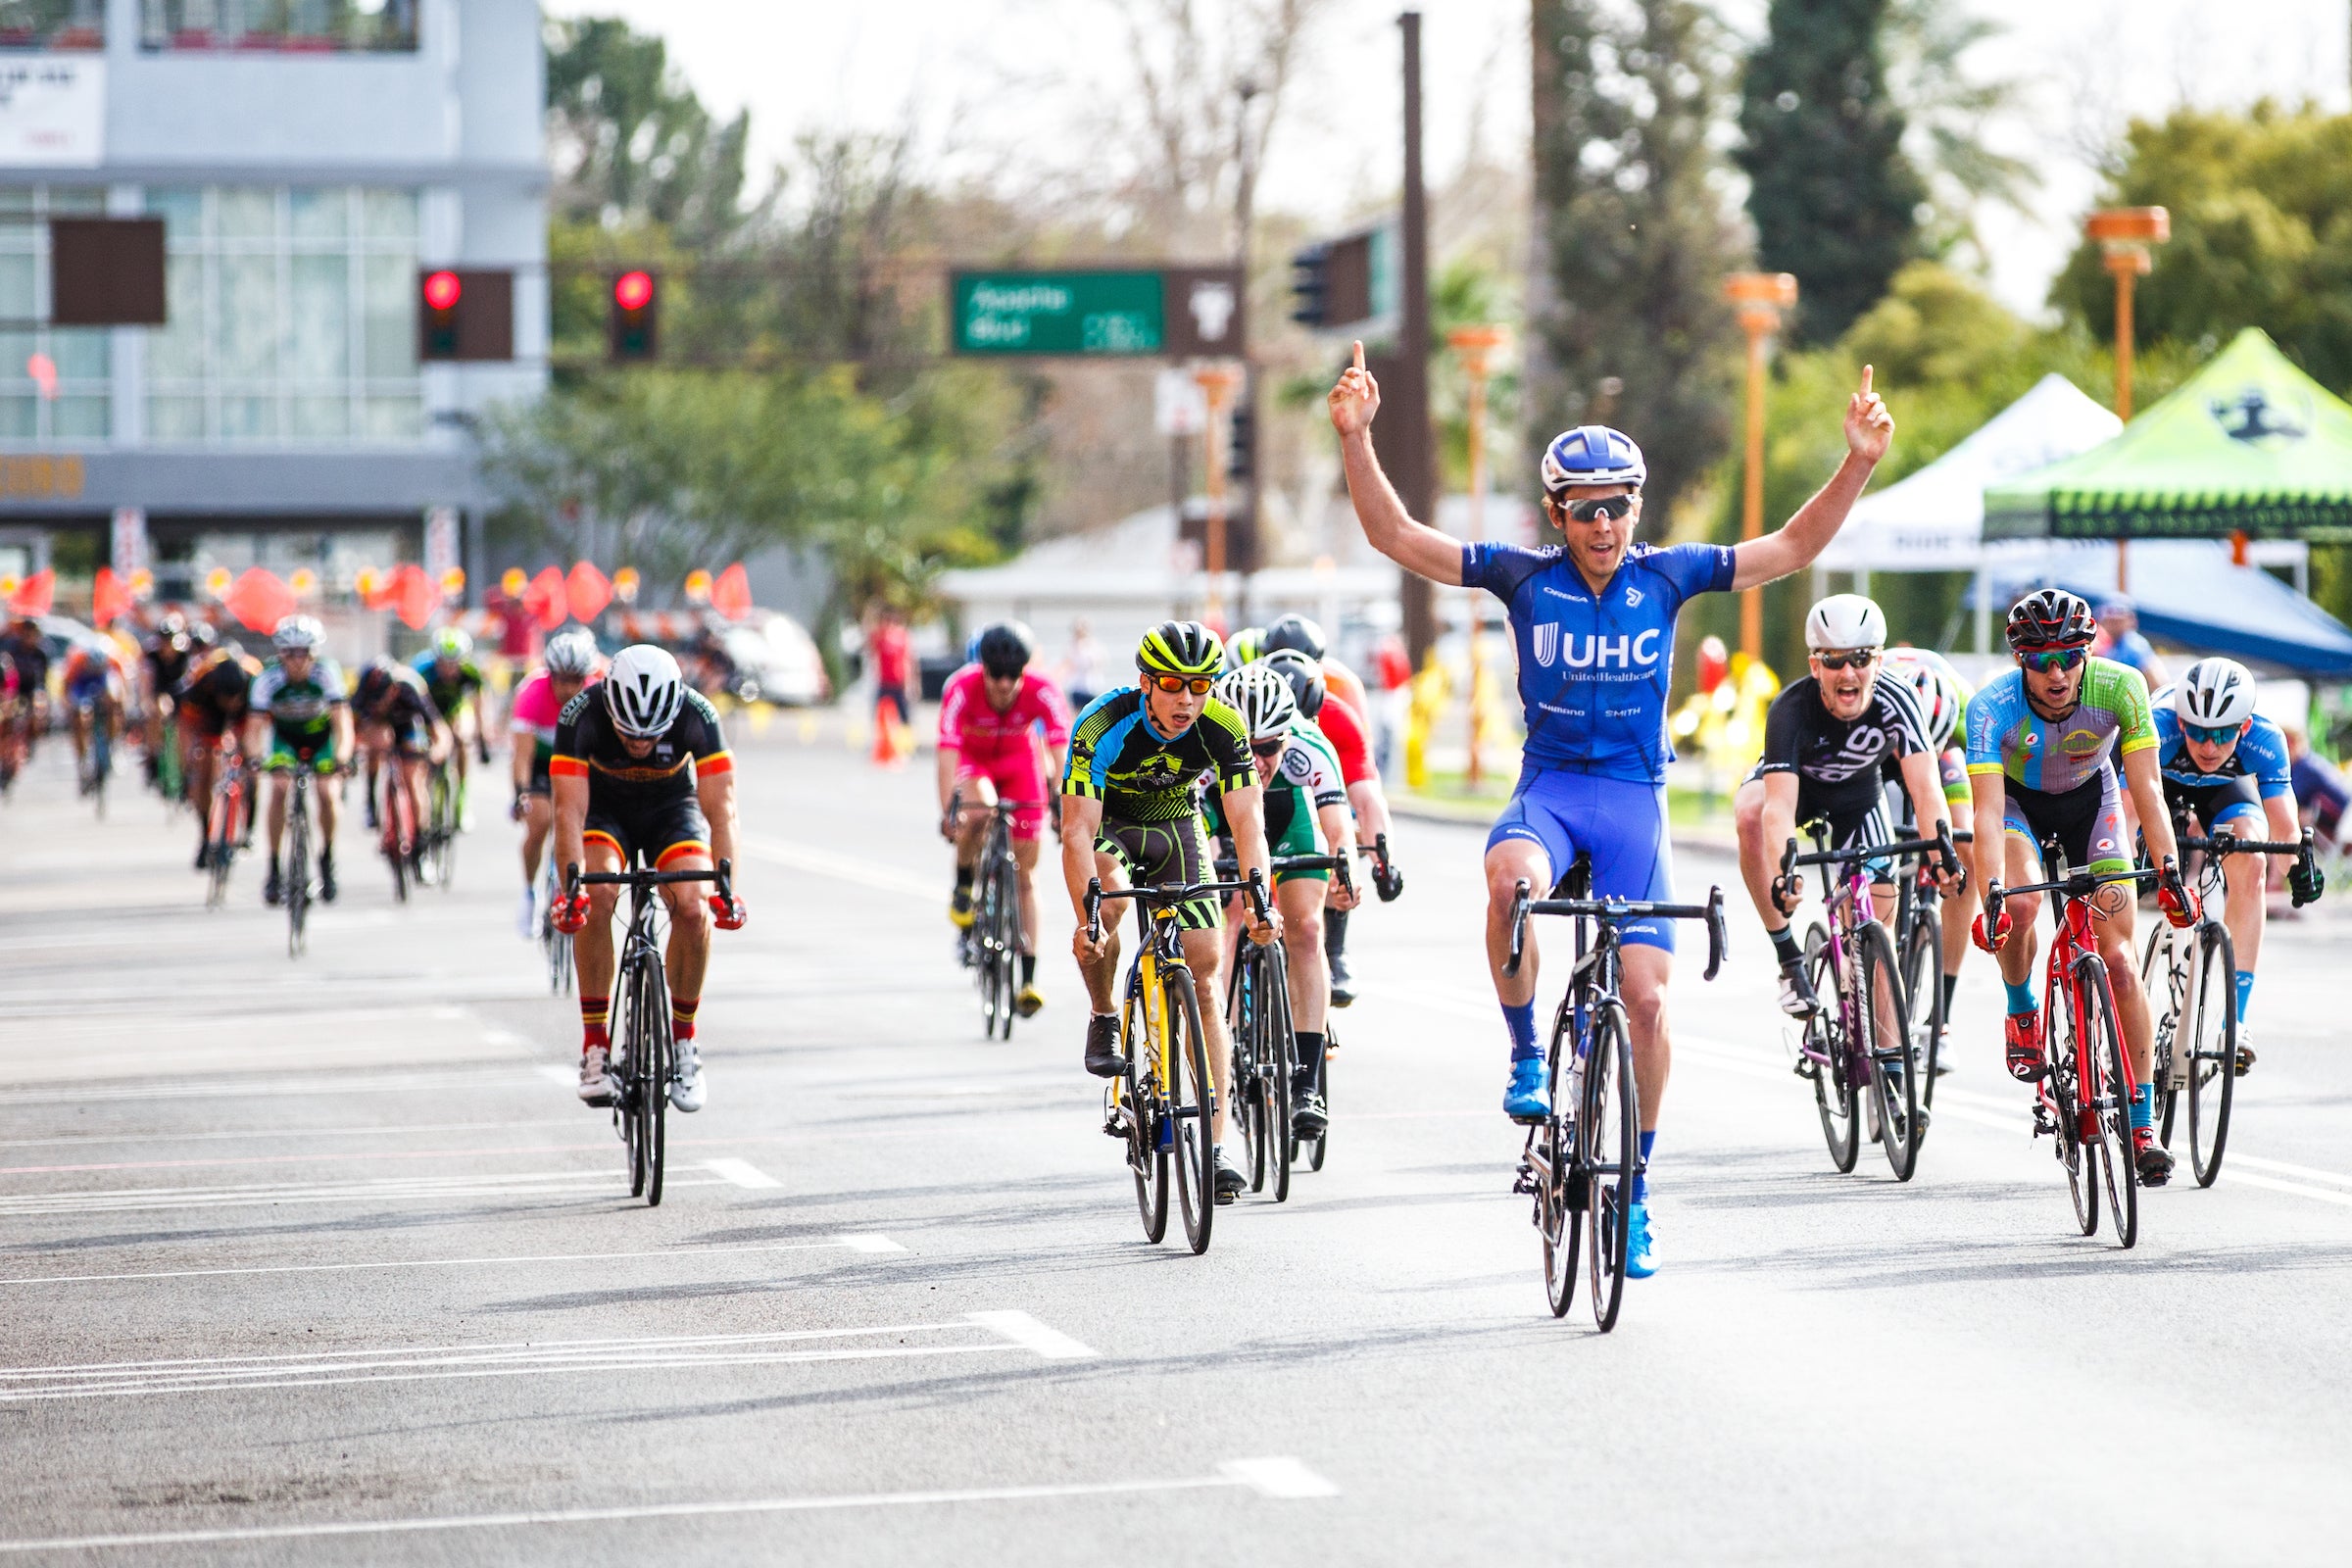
(2261, 755)
(1593, 667)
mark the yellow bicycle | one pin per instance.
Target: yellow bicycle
(1164, 1104)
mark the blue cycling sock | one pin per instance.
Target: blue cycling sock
(2021, 995)
(2142, 1109)
(1642, 1171)
(2245, 989)
(1520, 1020)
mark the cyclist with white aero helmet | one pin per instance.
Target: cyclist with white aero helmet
(301, 708)
(642, 774)
(1943, 704)
(1592, 618)
(1825, 740)
(2228, 765)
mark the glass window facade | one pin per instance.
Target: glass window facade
(293, 317)
(54, 381)
(323, 26)
(52, 23)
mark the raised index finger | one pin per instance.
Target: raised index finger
(1866, 380)
(1359, 353)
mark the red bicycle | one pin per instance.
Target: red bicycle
(228, 816)
(2083, 1100)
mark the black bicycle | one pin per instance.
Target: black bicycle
(642, 1063)
(1579, 1161)
(296, 882)
(1264, 1077)
(991, 948)
(1918, 917)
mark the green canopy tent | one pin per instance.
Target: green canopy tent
(2250, 445)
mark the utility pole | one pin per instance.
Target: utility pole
(1413, 467)
(1761, 297)
(1218, 383)
(1476, 346)
(1245, 212)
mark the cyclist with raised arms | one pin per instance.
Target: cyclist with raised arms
(1827, 740)
(1942, 698)
(302, 710)
(1003, 729)
(1343, 727)
(565, 666)
(2043, 744)
(2229, 766)
(1130, 814)
(1306, 814)
(641, 771)
(1593, 618)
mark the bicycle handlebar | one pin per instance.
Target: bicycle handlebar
(575, 879)
(2076, 884)
(1522, 905)
(1299, 862)
(2220, 844)
(1387, 880)
(1096, 895)
(1941, 845)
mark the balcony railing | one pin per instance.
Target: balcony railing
(279, 26)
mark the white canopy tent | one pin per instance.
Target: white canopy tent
(1934, 520)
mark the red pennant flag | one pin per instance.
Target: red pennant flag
(546, 600)
(109, 598)
(731, 594)
(259, 600)
(33, 595)
(587, 591)
(414, 596)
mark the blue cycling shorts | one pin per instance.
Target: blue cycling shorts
(1621, 824)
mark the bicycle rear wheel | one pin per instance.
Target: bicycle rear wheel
(2109, 1100)
(1148, 1129)
(1609, 1142)
(441, 832)
(298, 873)
(1192, 1101)
(1923, 993)
(2163, 982)
(1312, 1150)
(1887, 1047)
(1244, 1025)
(1832, 1083)
(2213, 1042)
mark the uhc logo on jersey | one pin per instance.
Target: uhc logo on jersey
(1547, 642)
(1594, 650)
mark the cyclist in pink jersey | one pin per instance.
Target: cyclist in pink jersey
(538, 705)
(991, 748)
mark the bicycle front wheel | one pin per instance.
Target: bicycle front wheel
(2110, 1099)
(298, 876)
(1923, 995)
(1148, 1129)
(1609, 1141)
(1833, 1089)
(1192, 1102)
(1886, 1046)
(652, 1075)
(2211, 1042)
(1277, 1066)
(2163, 981)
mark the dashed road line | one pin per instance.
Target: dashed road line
(1028, 1333)
(576, 1183)
(868, 1243)
(740, 1173)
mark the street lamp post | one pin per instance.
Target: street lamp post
(1476, 346)
(1218, 383)
(2125, 236)
(1761, 298)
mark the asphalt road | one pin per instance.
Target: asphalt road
(320, 1261)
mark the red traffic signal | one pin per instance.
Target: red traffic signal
(443, 290)
(466, 313)
(632, 330)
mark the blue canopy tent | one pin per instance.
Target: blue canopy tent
(2187, 592)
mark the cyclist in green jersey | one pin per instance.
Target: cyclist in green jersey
(456, 683)
(1130, 814)
(301, 717)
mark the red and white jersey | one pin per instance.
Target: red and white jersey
(969, 723)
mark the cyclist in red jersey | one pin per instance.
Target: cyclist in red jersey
(1343, 725)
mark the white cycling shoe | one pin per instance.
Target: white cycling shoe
(595, 1079)
(686, 1078)
(526, 915)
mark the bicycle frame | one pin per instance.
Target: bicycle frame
(1843, 906)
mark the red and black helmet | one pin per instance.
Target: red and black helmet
(2052, 618)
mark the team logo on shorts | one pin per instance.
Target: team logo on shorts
(1547, 643)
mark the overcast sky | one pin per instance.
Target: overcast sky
(803, 64)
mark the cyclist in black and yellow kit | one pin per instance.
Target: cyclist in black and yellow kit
(1130, 814)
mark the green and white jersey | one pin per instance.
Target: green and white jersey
(301, 711)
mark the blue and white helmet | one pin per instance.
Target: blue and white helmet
(1592, 454)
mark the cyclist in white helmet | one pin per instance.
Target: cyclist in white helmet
(567, 664)
(2228, 767)
(642, 775)
(301, 717)
(1943, 704)
(1826, 739)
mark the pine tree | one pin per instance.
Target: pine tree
(1834, 199)
(1632, 237)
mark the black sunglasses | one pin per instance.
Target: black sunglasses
(1611, 507)
(1269, 750)
(1859, 659)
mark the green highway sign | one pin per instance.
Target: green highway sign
(1172, 311)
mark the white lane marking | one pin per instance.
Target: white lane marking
(842, 868)
(252, 1135)
(250, 1087)
(847, 1244)
(2282, 1167)
(1290, 1474)
(437, 1362)
(1031, 1335)
(568, 1077)
(579, 1182)
(2239, 1178)
(740, 1173)
(1277, 1476)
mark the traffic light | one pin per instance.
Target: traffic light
(1310, 286)
(633, 328)
(1239, 447)
(465, 313)
(440, 294)
(106, 272)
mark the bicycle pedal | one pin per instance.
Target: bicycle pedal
(2044, 1121)
(1807, 1068)
(1523, 1182)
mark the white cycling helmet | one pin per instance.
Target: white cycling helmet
(2215, 694)
(298, 634)
(1940, 696)
(571, 652)
(643, 691)
(1262, 697)
(1845, 620)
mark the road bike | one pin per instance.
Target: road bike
(1862, 1045)
(1163, 1106)
(555, 943)
(94, 719)
(642, 1061)
(2191, 981)
(397, 840)
(991, 948)
(296, 882)
(228, 816)
(437, 840)
(1581, 1160)
(1918, 917)
(1265, 1076)
(2083, 1097)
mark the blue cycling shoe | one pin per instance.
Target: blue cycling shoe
(1640, 1262)
(1524, 1099)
